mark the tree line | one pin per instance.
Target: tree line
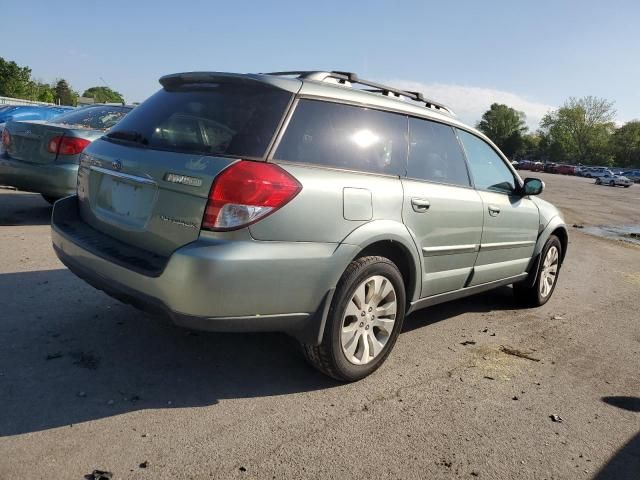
(16, 82)
(581, 131)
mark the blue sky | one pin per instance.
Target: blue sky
(531, 55)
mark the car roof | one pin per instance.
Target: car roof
(334, 86)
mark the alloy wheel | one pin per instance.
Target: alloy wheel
(549, 271)
(368, 320)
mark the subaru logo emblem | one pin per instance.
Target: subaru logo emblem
(116, 165)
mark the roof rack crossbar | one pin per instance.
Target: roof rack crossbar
(351, 77)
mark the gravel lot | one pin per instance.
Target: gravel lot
(88, 383)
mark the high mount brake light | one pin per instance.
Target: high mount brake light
(62, 145)
(245, 192)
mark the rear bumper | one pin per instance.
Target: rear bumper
(53, 179)
(234, 286)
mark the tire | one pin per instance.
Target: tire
(598, 181)
(537, 295)
(627, 186)
(50, 199)
(612, 183)
(331, 357)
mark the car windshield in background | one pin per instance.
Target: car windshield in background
(213, 119)
(94, 118)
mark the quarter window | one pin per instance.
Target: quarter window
(487, 167)
(344, 136)
(435, 153)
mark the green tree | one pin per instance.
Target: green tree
(103, 95)
(580, 131)
(63, 93)
(40, 91)
(505, 126)
(625, 144)
(532, 146)
(14, 79)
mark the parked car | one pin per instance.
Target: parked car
(521, 165)
(614, 181)
(531, 165)
(550, 167)
(566, 169)
(595, 172)
(43, 157)
(291, 202)
(633, 175)
(29, 112)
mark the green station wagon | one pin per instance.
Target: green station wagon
(313, 203)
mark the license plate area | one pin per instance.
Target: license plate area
(125, 201)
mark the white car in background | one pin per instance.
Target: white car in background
(597, 172)
(614, 181)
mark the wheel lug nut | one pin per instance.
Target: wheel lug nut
(361, 324)
(362, 313)
(367, 327)
(370, 308)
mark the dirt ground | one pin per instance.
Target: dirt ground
(88, 383)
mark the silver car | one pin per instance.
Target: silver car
(614, 180)
(313, 203)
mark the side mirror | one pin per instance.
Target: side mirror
(532, 186)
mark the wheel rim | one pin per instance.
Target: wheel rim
(368, 320)
(549, 271)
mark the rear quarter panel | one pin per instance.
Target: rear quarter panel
(331, 205)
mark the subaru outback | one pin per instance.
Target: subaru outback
(318, 204)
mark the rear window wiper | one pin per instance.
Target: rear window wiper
(129, 135)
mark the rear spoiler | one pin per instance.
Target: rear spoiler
(177, 79)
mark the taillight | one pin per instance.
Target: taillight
(6, 138)
(67, 145)
(246, 192)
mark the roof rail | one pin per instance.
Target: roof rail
(344, 78)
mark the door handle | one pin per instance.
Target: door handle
(493, 210)
(420, 205)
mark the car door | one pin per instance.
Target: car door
(511, 221)
(441, 209)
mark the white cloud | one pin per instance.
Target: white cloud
(469, 103)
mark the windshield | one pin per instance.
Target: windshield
(214, 119)
(95, 118)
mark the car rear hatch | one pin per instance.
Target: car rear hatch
(30, 141)
(147, 182)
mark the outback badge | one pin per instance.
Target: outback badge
(183, 179)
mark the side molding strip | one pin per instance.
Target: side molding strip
(449, 250)
(498, 246)
(457, 249)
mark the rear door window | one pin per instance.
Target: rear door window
(487, 167)
(224, 119)
(435, 154)
(345, 136)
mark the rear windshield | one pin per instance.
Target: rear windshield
(96, 118)
(214, 119)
